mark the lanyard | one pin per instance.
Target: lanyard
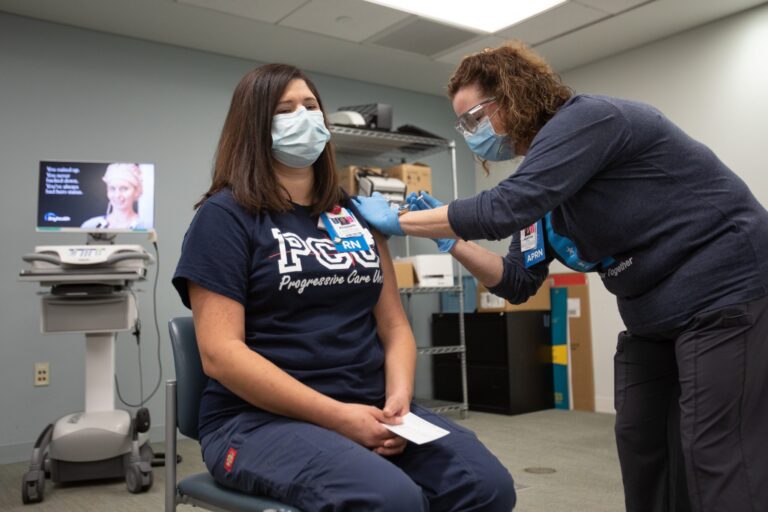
(567, 251)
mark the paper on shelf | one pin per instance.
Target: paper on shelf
(417, 430)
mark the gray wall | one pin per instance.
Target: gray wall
(67, 93)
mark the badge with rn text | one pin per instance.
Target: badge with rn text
(344, 230)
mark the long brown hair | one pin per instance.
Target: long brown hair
(244, 156)
(527, 90)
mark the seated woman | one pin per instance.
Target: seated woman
(307, 348)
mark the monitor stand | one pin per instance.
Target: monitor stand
(101, 239)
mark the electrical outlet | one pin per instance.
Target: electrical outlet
(42, 374)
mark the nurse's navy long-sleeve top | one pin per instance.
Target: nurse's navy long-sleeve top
(622, 181)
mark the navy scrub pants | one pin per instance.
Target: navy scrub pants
(692, 414)
(316, 469)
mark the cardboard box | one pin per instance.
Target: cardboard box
(490, 303)
(348, 177)
(432, 269)
(539, 302)
(403, 273)
(416, 176)
(580, 338)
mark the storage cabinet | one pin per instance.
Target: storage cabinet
(508, 358)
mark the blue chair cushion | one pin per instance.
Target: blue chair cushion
(203, 487)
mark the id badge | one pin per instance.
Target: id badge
(345, 231)
(532, 244)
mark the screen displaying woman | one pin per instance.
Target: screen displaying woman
(124, 188)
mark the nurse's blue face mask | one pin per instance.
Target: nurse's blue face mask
(476, 128)
(299, 137)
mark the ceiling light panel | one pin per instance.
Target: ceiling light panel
(268, 11)
(351, 20)
(553, 23)
(480, 15)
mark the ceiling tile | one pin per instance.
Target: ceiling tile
(613, 6)
(352, 20)
(269, 11)
(550, 24)
(179, 24)
(455, 55)
(424, 37)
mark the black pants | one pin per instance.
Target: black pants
(692, 414)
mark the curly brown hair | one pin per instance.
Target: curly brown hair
(527, 90)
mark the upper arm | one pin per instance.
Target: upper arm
(388, 311)
(212, 279)
(219, 320)
(215, 254)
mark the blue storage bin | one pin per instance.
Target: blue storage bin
(449, 301)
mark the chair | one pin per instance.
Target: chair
(182, 399)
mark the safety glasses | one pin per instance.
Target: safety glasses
(469, 121)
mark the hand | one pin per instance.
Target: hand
(379, 213)
(397, 406)
(362, 424)
(424, 201)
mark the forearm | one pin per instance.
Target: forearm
(399, 360)
(259, 382)
(220, 329)
(394, 331)
(486, 266)
(427, 223)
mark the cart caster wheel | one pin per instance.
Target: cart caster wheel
(136, 480)
(33, 487)
(147, 482)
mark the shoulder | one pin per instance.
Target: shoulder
(347, 203)
(222, 205)
(94, 222)
(629, 111)
(223, 199)
(138, 224)
(587, 107)
(586, 117)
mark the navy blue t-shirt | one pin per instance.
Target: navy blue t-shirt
(308, 308)
(622, 181)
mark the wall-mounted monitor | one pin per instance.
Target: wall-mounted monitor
(96, 197)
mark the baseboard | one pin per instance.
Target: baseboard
(11, 453)
(604, 404)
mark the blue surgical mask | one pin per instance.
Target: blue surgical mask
(298, 138)
(489, 145)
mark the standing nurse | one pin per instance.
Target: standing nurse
(618, 189)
